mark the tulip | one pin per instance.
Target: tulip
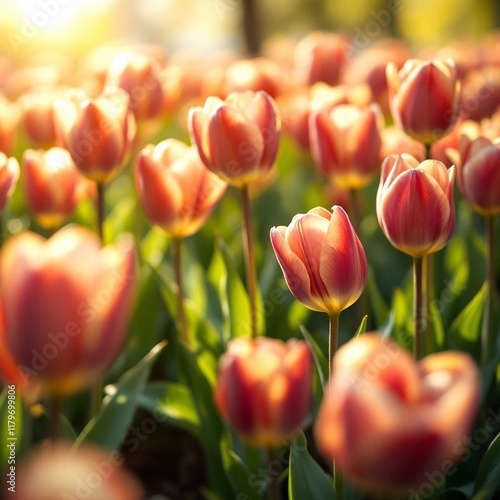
(97, 132)
(237, 138)
(415, 206)
(9, 175)
(67, 302)
(263, 389)
(424, 98)
(388, 421)
(9, 119)
(346, 143)
(322, 259)
(53, 186)
(178, 193)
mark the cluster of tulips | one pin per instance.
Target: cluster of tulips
(389, 416)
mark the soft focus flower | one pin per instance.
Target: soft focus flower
(237, 138)
(322, 259)
(58, 471)
(178, 193)
(480, 96)
(97, 132)
(264, 388)
(53, 186)
(345, 144)
(415, 206)
(396, 142)
(9, 175)
(9, 119)
(387, 421)
(67, 302)
(423, 97)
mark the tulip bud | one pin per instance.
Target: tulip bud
(415, 206)
(345, 144)
(9, 119)
(424, 98)
(9, 175)
(237, 138)
(53, 187)
(388, 421)
(322, 259)
(97, 132)
(67, 302)
(264, 388)
(178, 193)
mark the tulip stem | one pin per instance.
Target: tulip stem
(273, 488)
(100, 211)
(55, 418)
(486, 336)
(251, 273)
(418, 308)
(428, 148)
(96, 397)
(181, 313)
(333, 340)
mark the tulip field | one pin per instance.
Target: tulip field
(249, 278)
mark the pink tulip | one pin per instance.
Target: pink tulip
(178, 193)
(415, 206)
(67, 302)
(9, 175)
(9, 119)
(322, 259)
(387, 421)
(263, 388)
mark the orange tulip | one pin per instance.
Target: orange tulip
(424, 97)
(322, 259)
(388, 421)
(415, 206)
(178, 193)
(9, 119)
(97, 132)
(53, 186)
(346, 143)
(67, 302)
(9, 175)
(237, 138)
(264, 388)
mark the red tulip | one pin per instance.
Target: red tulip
(9, 119)
(322, 259)
(178, 193)
(424, 97)
(415, 206)
(67, 302)
(237, 138)
(387, 421)
(9, 175)
(263, 388)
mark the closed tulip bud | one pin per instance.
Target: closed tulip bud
(345, 144)
(322, 259)
(67, 302)
(53, 186)
(424, 97)
(97, 132)
(9, 175)
(415, 206)
(237, 138)
(263, 388)
(387, 421)
(178, 193)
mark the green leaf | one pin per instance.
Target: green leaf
(378, 305)
(489, 469)
(306, 479)
(110, 425)
(437, 327)
(12, 437)
(362, 327)
(320, 360)
(171, 402)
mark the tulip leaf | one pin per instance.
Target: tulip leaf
(110, 425)
(437, 327)
(362, 327)
(12, 418)
(320, 360)
(488, 474)
(378, 305)
(306, 479)
(171, 402)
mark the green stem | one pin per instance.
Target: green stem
(273, 488)
(55, 418)
(428, 147)
(181, 313)
(251, 273)
(487, 341)
(100, 211)
(333, 340)
(418, 308)
(96, 397)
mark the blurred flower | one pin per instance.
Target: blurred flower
(97, 132)
(423, 97)
(58, 471)
(345, 144)
(9, 175)
(415, 206)
(387, 421)
(237, 138)
(67, 302)
(263, 388)
(53, 186)
(178, 193)
(9, 120)
(322, 259)
(480, 96)
(396, 142)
